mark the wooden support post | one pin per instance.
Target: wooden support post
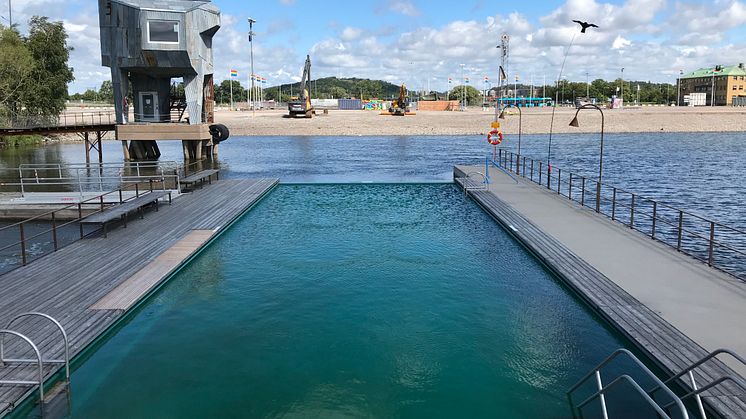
(215, 151)
(99, 145)
(126, 151)
(87, 142)
(197, 149)
(185, 145)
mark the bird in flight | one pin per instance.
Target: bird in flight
(585, 25)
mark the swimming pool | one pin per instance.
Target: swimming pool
(351, 301)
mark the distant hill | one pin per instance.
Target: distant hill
(332, 87)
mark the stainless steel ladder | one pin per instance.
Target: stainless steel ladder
(38, 360)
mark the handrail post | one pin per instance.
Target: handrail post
(613, 205)
(54, 232)
(569, 188)
(559, 181)
(582, 192)
(655, 216)
(524, 166)
(549, 176)
(681, 225)
(137, 190)
(541, 171)
(23, 244)
(600, 385)
(711, 249)
(80, 218)
(532, 170)
(598, 197)
(632, 213)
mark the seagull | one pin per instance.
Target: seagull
(585, 25)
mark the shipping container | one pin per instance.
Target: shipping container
(350, 104)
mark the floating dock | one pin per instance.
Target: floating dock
(92, 283)
(674, 308)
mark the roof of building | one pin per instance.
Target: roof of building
(736, 70)
(168, 5)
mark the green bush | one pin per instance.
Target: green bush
(21, 140)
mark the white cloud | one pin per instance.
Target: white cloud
(620, 43)
(350, 34)
(404, 7)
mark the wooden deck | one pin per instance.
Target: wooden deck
(668, 347)
(92, 283)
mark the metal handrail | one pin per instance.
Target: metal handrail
(65, 119)
(467, 177)
(40, 383)
(621, 379)
(600, 394)
(684, 230)
(66, 341)
(696, 391)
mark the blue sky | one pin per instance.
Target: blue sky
(422, 42)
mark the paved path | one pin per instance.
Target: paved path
(697, 308)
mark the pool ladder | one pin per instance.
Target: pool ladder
(38, 359)
(676, 403)
(469, 184)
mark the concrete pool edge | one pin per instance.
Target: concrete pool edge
(644, 328)
(26, 404)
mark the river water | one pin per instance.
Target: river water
(701, 173)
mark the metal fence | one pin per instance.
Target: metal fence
(714, 243)
(65, 119)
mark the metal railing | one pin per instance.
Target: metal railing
(39, 360)
(604, 389)
(716, 244)
(99, 177)
(469, 184)
(65, 119)
(91, 206)
(696, 390)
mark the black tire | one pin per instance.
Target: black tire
(219, 133)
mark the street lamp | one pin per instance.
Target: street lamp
(520, 129)
(251, 46)
(622, 84)
(574, 123)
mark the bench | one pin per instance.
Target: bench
(121, 210)
(200, 177)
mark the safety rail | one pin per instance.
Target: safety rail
(98, 202)
(98, 177)
(716, 244)
(65, 119)
(603, 389)
(697, 391)
(470, 185)
(39, 359)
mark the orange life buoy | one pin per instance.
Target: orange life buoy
(499, 137)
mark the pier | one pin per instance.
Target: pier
(673, 307)
(91, 284)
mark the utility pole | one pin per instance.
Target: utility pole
(463, 87)
(587, 87)
(678, 82)
(251, 46)
(622, 88)
(10, 14)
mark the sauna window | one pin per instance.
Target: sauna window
(163, 31)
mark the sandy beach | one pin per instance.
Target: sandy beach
(477, 122)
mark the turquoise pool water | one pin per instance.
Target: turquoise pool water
(351, 301)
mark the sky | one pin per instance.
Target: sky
(423, 42)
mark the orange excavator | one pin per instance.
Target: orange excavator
(400, 106)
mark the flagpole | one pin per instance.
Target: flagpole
(230, 80)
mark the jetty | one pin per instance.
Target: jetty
(673, 307)
(90, 285)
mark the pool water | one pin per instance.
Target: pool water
(351, 301)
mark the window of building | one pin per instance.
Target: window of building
(734, 87)
(163, 31)
(740, 87)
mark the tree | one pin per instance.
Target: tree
(106, 92)
(473, 96)
(223, 92)
(16, 64)
(47, 42)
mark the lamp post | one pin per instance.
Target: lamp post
(520, 129)
(622, 84)
(574, 123)
(251, 46)
(463, 87)
(587, 87)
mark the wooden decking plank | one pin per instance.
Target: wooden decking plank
(66, 283)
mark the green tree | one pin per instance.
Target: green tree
(47, 42)
(16, 64)
(106, 92)
(223, 92)
(473, 96)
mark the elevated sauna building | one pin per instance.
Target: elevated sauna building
(147, 44)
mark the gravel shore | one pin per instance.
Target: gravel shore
(477, 122)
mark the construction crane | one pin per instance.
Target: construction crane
(301, 106)
(400, 106)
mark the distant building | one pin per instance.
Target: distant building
(726, 84)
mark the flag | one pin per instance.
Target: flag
(234, 73)
(450, 80)
(466, 79)
(264, 80)
(503, 76)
